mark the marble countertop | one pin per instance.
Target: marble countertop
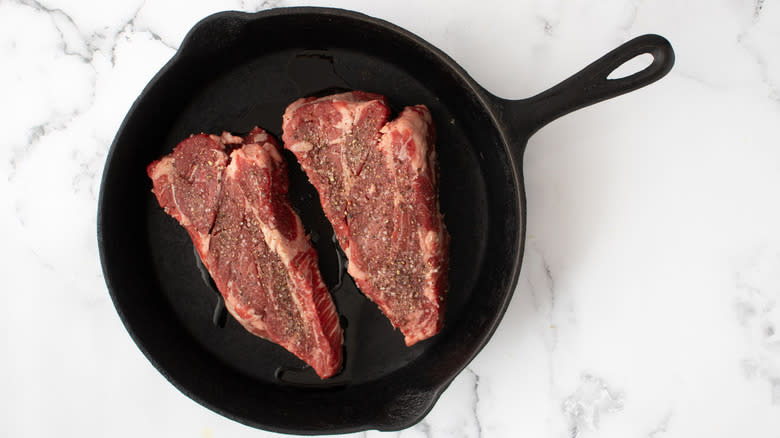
(647, 305)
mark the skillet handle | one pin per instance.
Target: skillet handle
(591, 85)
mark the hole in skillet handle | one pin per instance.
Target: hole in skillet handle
(632, 66)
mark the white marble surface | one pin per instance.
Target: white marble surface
(648, 301)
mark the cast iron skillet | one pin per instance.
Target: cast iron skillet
(236, 70)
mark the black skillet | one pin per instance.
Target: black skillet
(236, 70)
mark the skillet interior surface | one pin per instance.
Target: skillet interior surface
(235, 71)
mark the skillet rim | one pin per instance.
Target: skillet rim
(488, 102)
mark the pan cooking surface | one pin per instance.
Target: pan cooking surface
(235, 71)
(256, 92)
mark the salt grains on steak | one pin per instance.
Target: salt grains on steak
(235, 209)
(378, 185)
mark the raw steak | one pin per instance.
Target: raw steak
(378, 185)
(236, 210)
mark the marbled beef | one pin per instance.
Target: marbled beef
(378, 186)
(235, 209)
